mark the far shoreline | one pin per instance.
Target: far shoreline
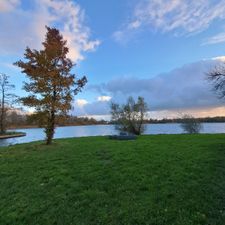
(77, 125)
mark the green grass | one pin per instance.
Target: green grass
(155, 180)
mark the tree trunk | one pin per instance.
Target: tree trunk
(2, 117)
(50, 129)
(51, 123)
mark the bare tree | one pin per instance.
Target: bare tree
(191, 125)
(217, 77)
(129, 117)
(6, 100)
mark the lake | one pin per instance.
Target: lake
(35, 134)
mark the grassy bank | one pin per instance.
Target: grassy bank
(12, 134)
(163, 179)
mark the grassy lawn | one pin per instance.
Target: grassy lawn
(155, 180)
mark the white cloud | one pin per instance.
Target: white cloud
(92, 108)
(26, 27)
(104, 98)
(81, 102)
(134, 25)
(76, 34)
(219, 58)
(182, 17)
(119, 35)
(218, 38)
(8, 5)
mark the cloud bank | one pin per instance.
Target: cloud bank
(182, 89)
(27, 26)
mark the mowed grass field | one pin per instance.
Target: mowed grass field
(155, 180)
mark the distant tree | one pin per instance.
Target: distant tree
(191, 125)
(16, 118)
(37, 119)
(7, 99)
(51, 85)
(129, 117)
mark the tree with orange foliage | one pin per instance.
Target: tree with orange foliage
(51, 85)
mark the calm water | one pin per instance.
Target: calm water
(36, 134)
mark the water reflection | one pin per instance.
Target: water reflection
(35, 134)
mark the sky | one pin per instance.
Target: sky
(158, 49)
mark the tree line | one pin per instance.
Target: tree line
(215, 119)
(17, 119)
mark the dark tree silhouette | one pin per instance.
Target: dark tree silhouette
(7, 99)
(190, 124)
(51, 85)
(129, 117)
(217, 77)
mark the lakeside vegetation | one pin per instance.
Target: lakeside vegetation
(161, 179)
(16, 120)
(215, 119)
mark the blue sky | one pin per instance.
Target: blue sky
(159, 49)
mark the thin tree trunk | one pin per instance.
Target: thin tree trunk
(141, 122)
(2, 118)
